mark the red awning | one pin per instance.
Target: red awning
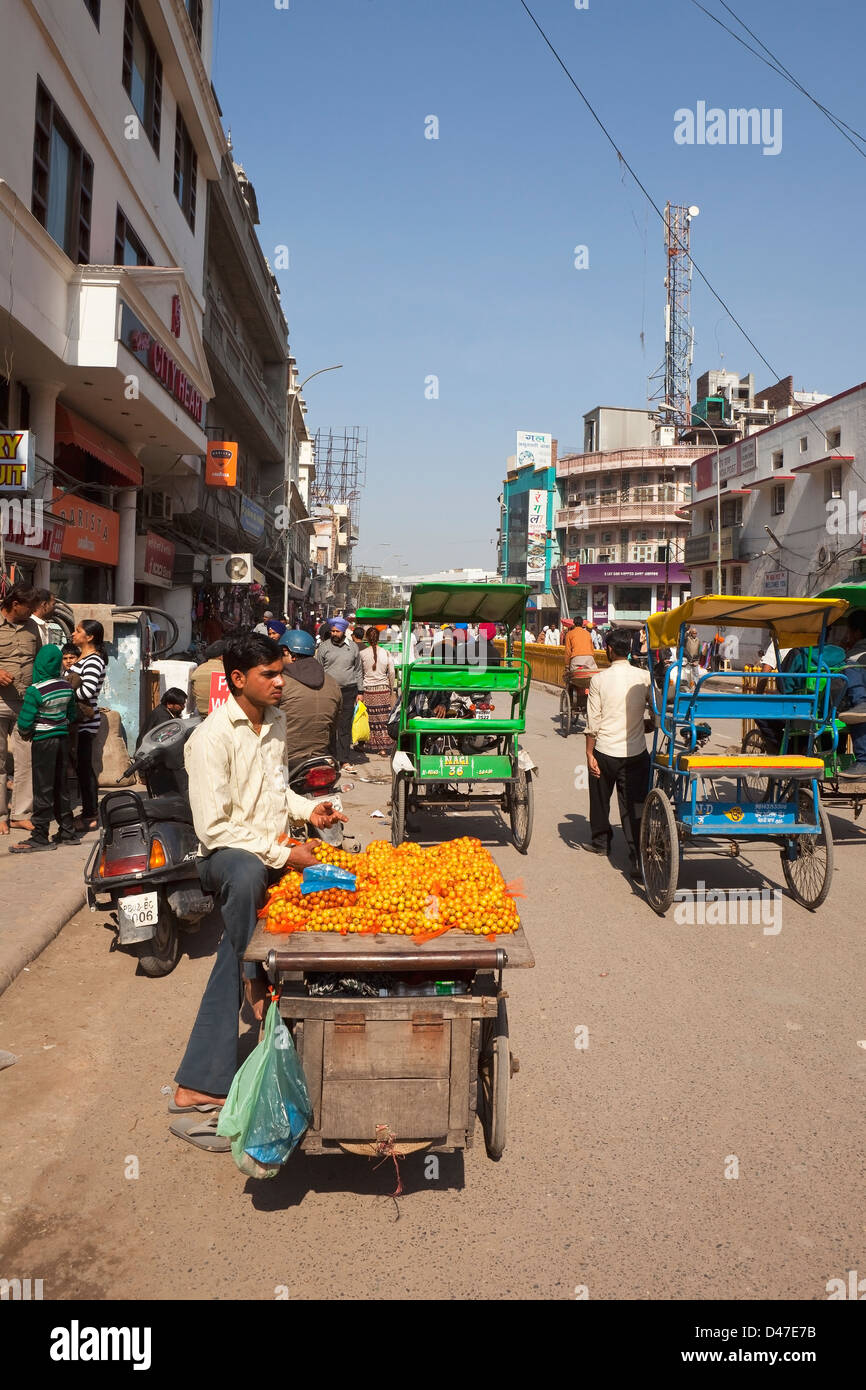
(70, 428)
(828, 458)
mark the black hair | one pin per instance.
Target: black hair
(96, 632)
(174, 696)
(251, 649)
(43, 595)
(20, 593)
(619, 641)
(69, 649)
(856, 620)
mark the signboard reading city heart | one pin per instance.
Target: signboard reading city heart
(151, 354)
(219, 691)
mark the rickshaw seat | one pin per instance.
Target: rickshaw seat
(465, 726)
(787, 765)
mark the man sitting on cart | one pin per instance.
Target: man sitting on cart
(242, 809)
(855, 676)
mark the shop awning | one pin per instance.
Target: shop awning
(70, 428)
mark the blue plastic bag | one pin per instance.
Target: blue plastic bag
(318, 877)
(268, 1106)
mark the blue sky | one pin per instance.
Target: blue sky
(454, 257)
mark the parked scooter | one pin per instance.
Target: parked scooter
(143, 867)
(318, 779)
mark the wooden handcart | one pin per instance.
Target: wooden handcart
(415, 1066)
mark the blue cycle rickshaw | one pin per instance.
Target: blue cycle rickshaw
(691, 795)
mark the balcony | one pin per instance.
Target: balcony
(265, 417)
(618, 514)
(628, 460)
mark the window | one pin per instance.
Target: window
(736, 579)
(778, 499)
(608, 496)
(623, 536)
(643, 478)
(590, 436)
(732, 512)
(833, 483)
(644, 494)
(195, 10)
(128, 248)
(607, 537)
(142, 71)
(186, 172)
(93, 10)
(625, 481)
(834, 439)
(778, 458)
(667, 493)
(62, 180)
(804, 443)
(708, 581)
(641, 554)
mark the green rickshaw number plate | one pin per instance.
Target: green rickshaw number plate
(453, 767)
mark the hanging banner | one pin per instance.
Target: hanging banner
(221, 465)
(536, 537)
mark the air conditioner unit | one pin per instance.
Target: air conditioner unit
(342, 567)
(231, 569)
(189, 569)
(157, 506)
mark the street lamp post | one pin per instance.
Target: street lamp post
(294, 396)
(669, 410)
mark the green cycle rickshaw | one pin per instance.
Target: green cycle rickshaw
(450, 738)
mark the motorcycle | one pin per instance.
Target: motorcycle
(317, 778)
(143, 867)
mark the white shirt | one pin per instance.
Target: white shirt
(238, 789)
(615, 710)
(551, 637)
(769, 657)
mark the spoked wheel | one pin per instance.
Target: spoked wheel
(159, 955)
(495, 1068)
(399, 794)
(755, 787)
(521, 809)
(659, 851)
(565, 713)
(809, 873)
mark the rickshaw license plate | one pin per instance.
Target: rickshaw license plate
(483, 714)
(139, 909)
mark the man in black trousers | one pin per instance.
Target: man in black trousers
(616, 751)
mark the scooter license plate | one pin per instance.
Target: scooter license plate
(139, 909)
(483, 714)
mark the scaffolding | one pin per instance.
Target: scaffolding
(340, 469)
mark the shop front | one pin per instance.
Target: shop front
(85, 572)
(605, 594)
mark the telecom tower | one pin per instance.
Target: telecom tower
(674, 377)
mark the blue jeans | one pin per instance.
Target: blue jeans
(239, 881)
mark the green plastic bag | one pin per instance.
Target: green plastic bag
(268, 1106)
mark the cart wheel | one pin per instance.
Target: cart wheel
(494, 1075)
(521, 808)
(399, 793)
(565, 713)
(755, 787)
(659, 851)
(810, 872)
(159, 955)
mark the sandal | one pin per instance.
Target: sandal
(202, 1132)
(30, 847)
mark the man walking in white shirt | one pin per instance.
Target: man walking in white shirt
(616, 751)
(243, 809)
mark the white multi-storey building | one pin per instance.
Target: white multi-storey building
(109, 132)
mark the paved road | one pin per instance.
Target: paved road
(711, 1049)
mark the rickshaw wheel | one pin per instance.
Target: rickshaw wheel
(521, 809)
(659, 851)
(810, 873)
(565, 712)
(755, 787)
(494, 1076)
(399, 793)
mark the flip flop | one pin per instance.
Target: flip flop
(201, 1132)
(204, 1109)
(29, 847)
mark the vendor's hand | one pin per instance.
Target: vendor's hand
(324, 816)
(301, 857)
(5, 678)
(440, 711)
(594, 769)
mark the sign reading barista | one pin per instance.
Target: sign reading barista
(159, 362)
(91, 533)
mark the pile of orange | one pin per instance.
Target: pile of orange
(407, 891)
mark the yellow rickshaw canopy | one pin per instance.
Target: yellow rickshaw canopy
(797, 622)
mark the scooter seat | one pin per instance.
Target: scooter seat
(168, 807)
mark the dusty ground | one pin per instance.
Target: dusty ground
(711, 1049)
